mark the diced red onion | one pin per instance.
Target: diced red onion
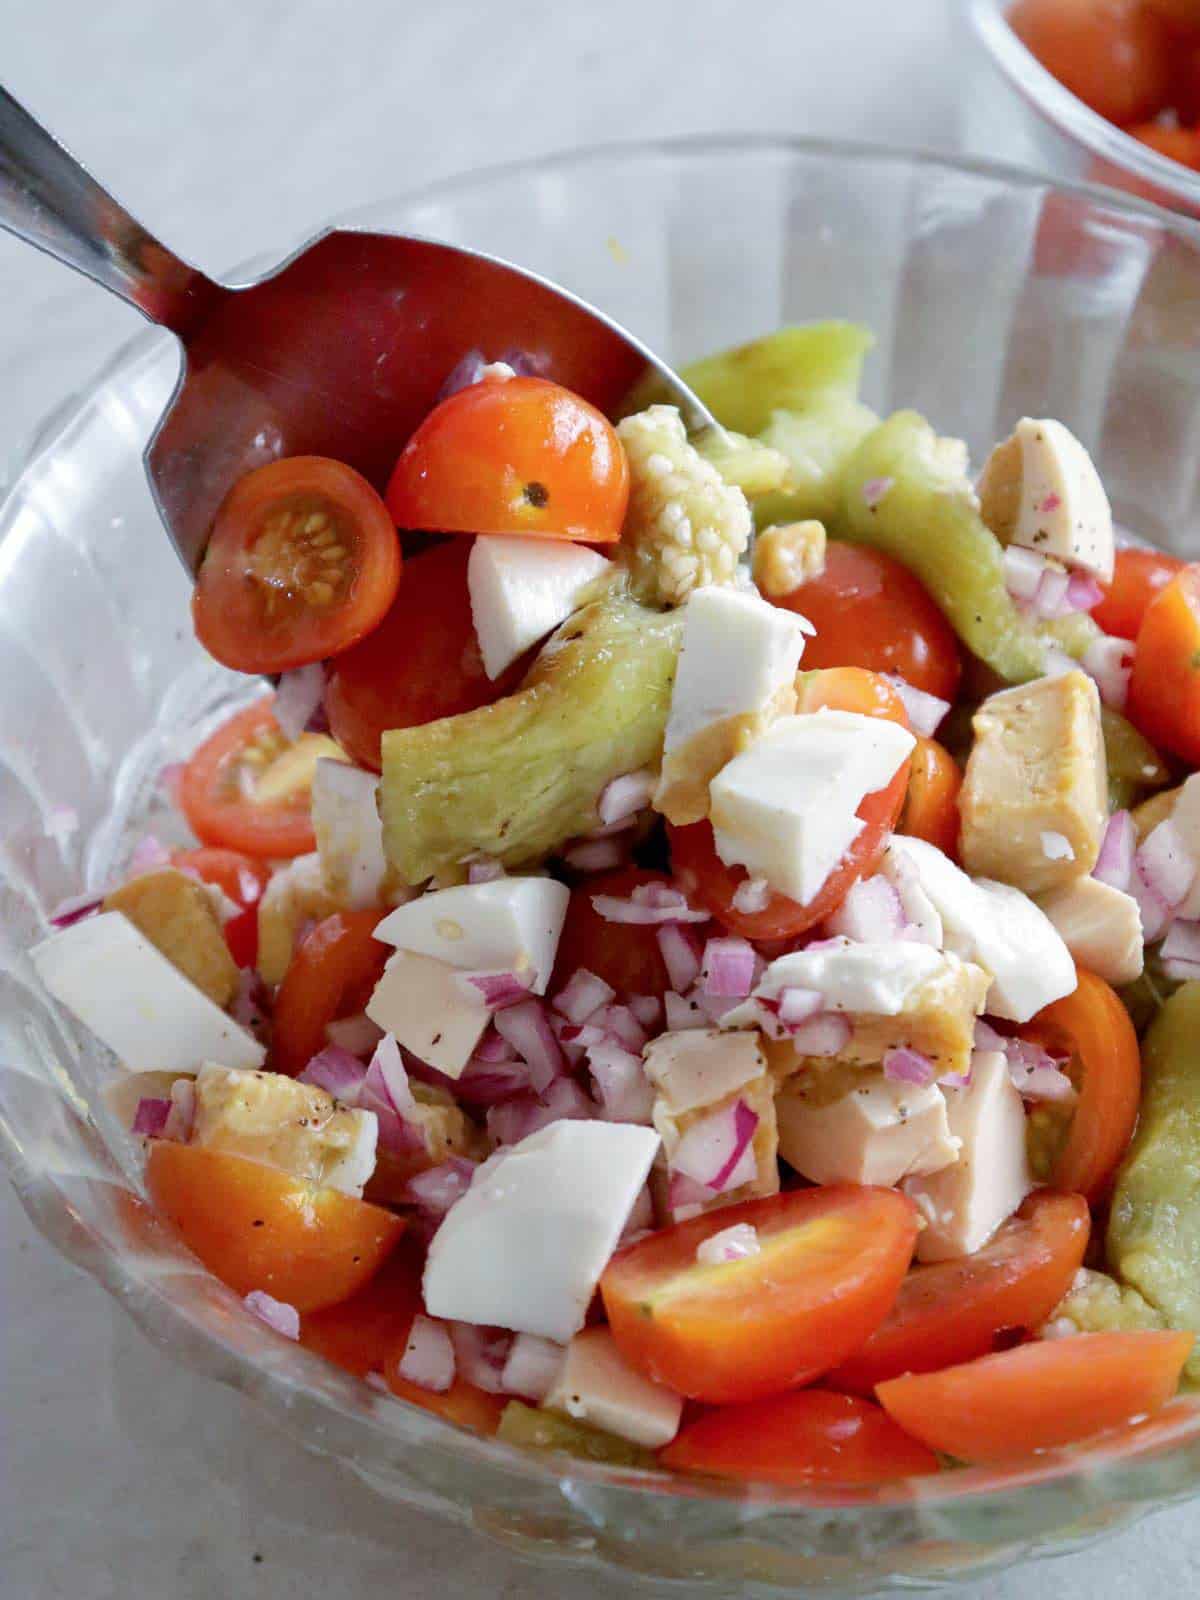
(484, 1084)
(277, 1314)
(714, 1007)
(682, 955)
(731, 1244)
(925, 711)
(580, 1035)
(1035, 1074)
(70, 911)
(683, 1013)
(428, 1359)
(527, 1028)
(1109, 662)
(902, 1064)
(438, 1188)
(717, 1151)
(796, 1005)
(625, 1093)
(686, 1197)
(647, 1008)
(1083, 592)
(582, 994)
(822, 1036)
(1154, 911)
(650, 905)
(871, 911)
(515, 1119)
(874, 490)
(596, 855)
(1165, 864)
(987, 1037)
(182, 1118)
(532, 1367)
(484, 869)
(297, 697)
(727, 968)
(338, 1072)
(625, 796)
(613, 830)
(1114, 865)
(619, 1023)
(149, 854)
(150, 1118)
(498, 989)
(955, 1080)
(1181, 951)
(385, 1091)
(1023, 571)
(480, 1354)
(357, 1034)
(751, 896)
(492, 1049)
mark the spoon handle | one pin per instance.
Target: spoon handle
(49, 200)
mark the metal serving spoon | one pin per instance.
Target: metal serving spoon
(340, 350)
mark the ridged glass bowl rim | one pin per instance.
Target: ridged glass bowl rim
(996, 1489)
(1066, 112)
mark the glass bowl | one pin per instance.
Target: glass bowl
(1014, 108)
(991, 294)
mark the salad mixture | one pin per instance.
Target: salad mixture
(673, 996)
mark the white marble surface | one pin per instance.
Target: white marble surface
(229, 127)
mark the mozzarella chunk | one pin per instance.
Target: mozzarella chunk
(878, 1133)
(1034, 800)
(130, 996)
(998, 928)
(1100, 926)
(283, 1123)
(736, 674)
(1040, 489)
(522, 589)
(177, 915)
(525, 1246)
(508, 925)
(295, 895)
(427, 1007)
(919, 910)
(597, 1385)
(700, 1068)
(786, 808)
(964, 1204)
(349, 833)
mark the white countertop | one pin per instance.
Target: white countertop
(228, 127)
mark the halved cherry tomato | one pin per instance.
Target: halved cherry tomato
(1177, 144)
(830, 1264)
(1115, 56)
(422, 662)
(1183, 14)
(809, 1436)
(217, 787)
(952, 1311)
(870, 611)
(705, 878)
(302, 562)
(518, 457)
(1093, 1027)
(1038, 1396)
(1164, 690)
(360, 1333)
(624, 955)
(1138, 575)
(258, 1228)
(462, 1402)
(243, 880)
(930, 808)
(332, 973)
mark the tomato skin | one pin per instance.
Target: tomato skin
(626, 956)
(870, 611)
(268, 596)
(951, 1311)
(1138, 575)
(930, 808)
(1094, 1027)
(1038, 1396)
(831, 1263)
(220, 815)
(522, 456)
(707, 880)
(1164, 689)
(358, 1334)
(808, 1436)
(1115, 56)
(258, 1228)
(421, 663)
(1177, 144)
(332, 972)
(240, 877)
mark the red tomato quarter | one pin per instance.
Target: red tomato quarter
(1164, 690)
(626, 956)
(216, 791)
(931, 800)
(302, 562)
(334, 969)
(1114, 54)
(1138, 575)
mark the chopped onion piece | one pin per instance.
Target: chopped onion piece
(625, 1093)
(527, 1028)
(1083, 592)
(682, 955)
(532, 1367)
(682, 1013)
(438, 1188)
(358, 1034)
(1023, 571)
(625, 796)
(1036, 1075)
(67, 912)
(751, 896)
(904, 1065)
(515, 1119)
(428, 1360)
(182, 1119)
(619, 1023)
(480, 1354)
(796, 1005)
(337, 1071)
(297, 697)
(731, 1244)
(647, 1008)
(149, 854)
(150, 1118)
(596, 855)
(687, 1198)
(727, 969)
(650, 904)
(493, 1049)
(822, 1036)
(717, 1150)
(925, 711)
(1114, 865)
(1165, 865)
(583, 993)
(499, 989)
(1109, 662)
(277, 1314)
(871, 911)
(487, 1083)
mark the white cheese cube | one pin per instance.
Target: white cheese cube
(522, 589)
(878, 1133)
(1040, 489)
(786, 808)
(131, 997)
(699, 1068)
(507, 925)
(1100, 926)
(997, 927)
(919, 910)
(283, 1123)
(964, 1204)
(525, 1246)
(598, 1386)
(426, 1006)
(349, 833)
